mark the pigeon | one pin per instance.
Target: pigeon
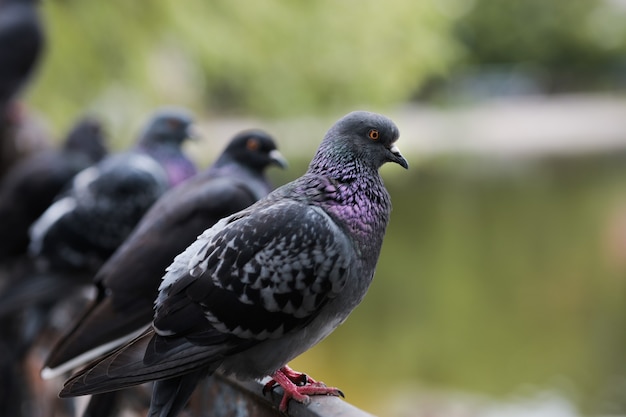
(106, 201)
(87, 223)
(32, 184)
(128, 282)
(267, 283)
(21, 45)
(25, 192)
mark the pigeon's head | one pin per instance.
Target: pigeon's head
(255, 149)
(364, 136)
(170, 126)
(87, 137)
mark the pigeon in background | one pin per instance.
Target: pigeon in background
(84, 226)
(21, 44)
(26, 191)
(31, 185)
(128, 282)
(265, 284)
(106, 201)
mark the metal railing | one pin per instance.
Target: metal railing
(226, 397)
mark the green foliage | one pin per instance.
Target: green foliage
(274, 57)
(574, 38)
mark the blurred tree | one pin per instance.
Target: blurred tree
(268, 58)
(573, 44)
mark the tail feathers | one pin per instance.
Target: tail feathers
(102, 405)
(101, 329)
(169, 396)
(126, 367)
(88, 356)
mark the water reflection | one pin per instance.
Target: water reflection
(493, 279)
(455, 404)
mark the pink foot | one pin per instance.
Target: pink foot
(298, 386)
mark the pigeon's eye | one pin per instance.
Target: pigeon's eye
(252, 144)
(173, 123)
(373, 134)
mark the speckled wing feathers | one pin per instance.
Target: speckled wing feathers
(259, 274)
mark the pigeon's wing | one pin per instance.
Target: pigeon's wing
(167, 229)
(128, 282)
(258, 274)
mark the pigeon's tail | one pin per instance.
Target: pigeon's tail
(100, 330)
(169, 396)
(102, 405)
(126, 366)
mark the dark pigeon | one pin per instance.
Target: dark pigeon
(83, 228)
(25, 192)
(31, 185)
(265, 284)
(21, 44)
(127, 284)
(86, 224)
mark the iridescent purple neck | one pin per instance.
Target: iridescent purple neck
(334, 162)
(175, 163)
(178, 170)
(358, 203)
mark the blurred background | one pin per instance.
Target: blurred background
(501, 286)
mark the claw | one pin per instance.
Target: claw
(298, 386)
(269, 386)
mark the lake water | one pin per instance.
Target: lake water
(501, 286)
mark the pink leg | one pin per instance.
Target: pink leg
(298, 386)
(296, 377)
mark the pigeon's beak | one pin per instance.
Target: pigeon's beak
(277, 158)
(192, 132)
(397, 157)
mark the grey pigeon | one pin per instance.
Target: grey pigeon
(32, 184)
(265, 284)
(21, 43)
(82, 229)
(128, 282)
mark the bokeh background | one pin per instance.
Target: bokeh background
(501, 285)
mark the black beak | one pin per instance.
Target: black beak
(277, 158)
(192, 132)
(397, 157)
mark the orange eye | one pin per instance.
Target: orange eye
(173, 123)
(252, 144)
(373, 134)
